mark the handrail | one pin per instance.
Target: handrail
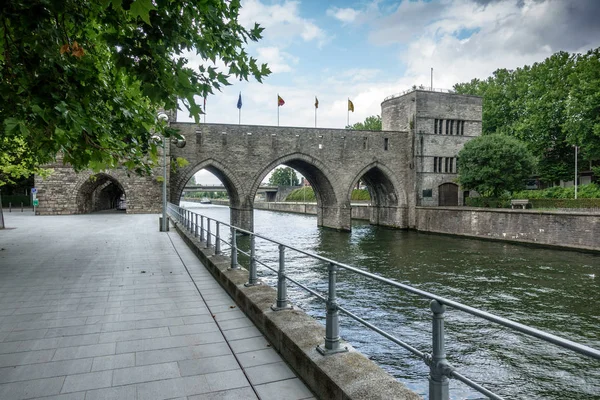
(440, 370)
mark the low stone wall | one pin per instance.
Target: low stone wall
(556, 228)
(295, 335)
(567, 229)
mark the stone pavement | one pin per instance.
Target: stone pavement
(101, 306)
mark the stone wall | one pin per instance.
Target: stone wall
(68, 192)
(564, 229)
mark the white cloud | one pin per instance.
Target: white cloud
(277, 60)
(345, 15)
(282, 22)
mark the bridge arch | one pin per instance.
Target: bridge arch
(333, 209)
(225, 175)
(98, 192)
(389, 202)
(240, 204)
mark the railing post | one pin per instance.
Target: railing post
(252, 279)
(234, 263)
(332, 325)
(438, 382)
(202, 228)
(217, 240)
(208, 238)
(282, 303)
(196, 226)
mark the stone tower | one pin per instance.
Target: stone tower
(440, 123)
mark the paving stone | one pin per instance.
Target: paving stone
(182, 353)
(245, 393)
(113, 393)
(30, 389)
(68, 353)
(29, 357)
(250, 344)
(113, 362)
(289, 389)
(208, 365)
(145, 373)
(45, 370)
(92, 380)
(269, 373)
(258, 357)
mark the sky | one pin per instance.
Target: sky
(367, 50)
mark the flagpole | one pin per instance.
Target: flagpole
(315, 117)
(277, 109)
(348, 113)
(240, 116)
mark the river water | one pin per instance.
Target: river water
(553, 290)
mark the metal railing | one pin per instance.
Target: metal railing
(439, 369)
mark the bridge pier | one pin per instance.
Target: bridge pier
(392, 216)
(242, 217)
(335, 217)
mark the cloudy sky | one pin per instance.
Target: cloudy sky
(366, 50)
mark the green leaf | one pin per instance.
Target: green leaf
(142, 8)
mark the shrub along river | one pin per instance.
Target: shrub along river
(552, 290)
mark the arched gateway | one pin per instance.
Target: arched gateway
(403, 166)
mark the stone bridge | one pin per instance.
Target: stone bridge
(412, 162)
(332, 160)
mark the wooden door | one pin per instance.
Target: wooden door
(448, 194)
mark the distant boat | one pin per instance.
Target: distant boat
(205, 200)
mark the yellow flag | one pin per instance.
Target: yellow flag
(350, 105)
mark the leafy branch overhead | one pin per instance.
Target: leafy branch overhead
(84, 78)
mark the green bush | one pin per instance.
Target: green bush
(303, 194)
(590, 191)
(488, 202)
(565, 203)
(307, 194)
(16, 200)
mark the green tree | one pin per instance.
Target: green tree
(84, 78)
(372, 123)
(493, 164)
(550, 106)
(284, 176)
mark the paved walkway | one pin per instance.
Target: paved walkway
(101, 306)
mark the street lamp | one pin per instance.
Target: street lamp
(575, 172)
(164, 227)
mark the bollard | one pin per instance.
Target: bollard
(208, 238)
(196, 227)
(438, 382)
(9, 207)
(21, 206)
(282, 303)
(217, 240)
(252, 279)
(234, 263)
(202, 228)
(332, 323)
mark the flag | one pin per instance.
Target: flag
(239, 104)
(316, 102)
(280, 101)
(350, 105)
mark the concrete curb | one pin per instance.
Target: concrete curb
(295, 335)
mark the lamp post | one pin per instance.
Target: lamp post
(575, 172)
(164, 227)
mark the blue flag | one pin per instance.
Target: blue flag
(239, 104)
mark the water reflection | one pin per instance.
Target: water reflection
(549, 289)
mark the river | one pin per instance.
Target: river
(553, 290)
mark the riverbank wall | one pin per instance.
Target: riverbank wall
(296, 335)
(565, 229)
(572, 230)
